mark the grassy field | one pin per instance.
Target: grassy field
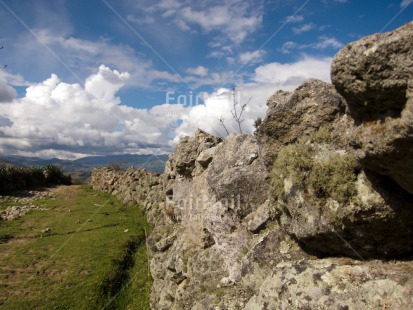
(93, 255)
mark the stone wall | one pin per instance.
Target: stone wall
(313, 212)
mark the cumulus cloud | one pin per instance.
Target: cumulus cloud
(7, 80)
(59, 118)
(290, 75)
(266, 80)
(7, 93)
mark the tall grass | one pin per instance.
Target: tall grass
(17, 178)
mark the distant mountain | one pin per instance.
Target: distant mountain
(5, 162)
(81, 168)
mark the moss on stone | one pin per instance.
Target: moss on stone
(325, 134)
(294, 161)
(333, 176)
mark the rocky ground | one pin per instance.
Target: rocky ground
(315, 211)
(23, 200)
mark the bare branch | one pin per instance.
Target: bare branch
(217, 133)
(222, 123)
(236, 112)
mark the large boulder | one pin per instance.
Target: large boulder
(332, 207)
(291, 115)
(375, 76)
(373, 73)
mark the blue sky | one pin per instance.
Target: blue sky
(99, 77)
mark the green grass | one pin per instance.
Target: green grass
(86, 261)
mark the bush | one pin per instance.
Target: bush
(116, 166)
(17, 178)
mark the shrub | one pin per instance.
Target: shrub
(116, 166)
(16, 178)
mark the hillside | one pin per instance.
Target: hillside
(82, 168)
(6, 162)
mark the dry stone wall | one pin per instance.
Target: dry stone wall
(313, 212)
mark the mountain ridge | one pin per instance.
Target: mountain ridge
(81, 168)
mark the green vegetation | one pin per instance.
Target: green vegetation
(334, 177)
(86, 251)
(330, 176)
(294, 161)
(16, 178)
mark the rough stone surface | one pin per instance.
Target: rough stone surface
(238, 173)
(291, 218)
(183, 161)
(290, 115)
(373, 73)
(335, 284)
(375, 76)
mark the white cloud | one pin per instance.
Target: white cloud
(290, 75)
(235, 19)
(200, 70)
(405, 3)
(325, 42)
(7, 93)
(232, 19)
(251, 57)
(106, 83)
(71, 120)
(287, 46)
(294, 19)
(213, 78)
(266, 80)
(60, 118)
(303, 28)
(82, 56)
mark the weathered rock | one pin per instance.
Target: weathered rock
(333, 208)
(237, 174)
(257, 219)
(182, 161)
(335, 283)
(375, 75)
(292, 115)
